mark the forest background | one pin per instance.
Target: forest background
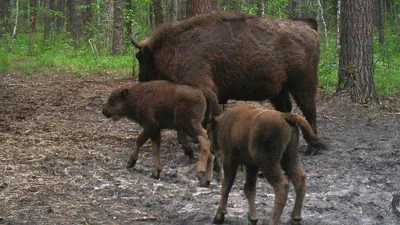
(92, 37)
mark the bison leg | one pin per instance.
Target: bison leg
(210, 167)
(140, 140)
(155, 146)
(250, 192)
(282, 102)
(305, 99)
(230, 174)
(186, 144)
(291, 165)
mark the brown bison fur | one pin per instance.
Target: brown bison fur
(161, 104)
(265, 140)
(238, 57)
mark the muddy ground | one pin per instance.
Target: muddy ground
(63, 162)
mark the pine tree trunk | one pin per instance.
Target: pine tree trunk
(158, 12)
(4, 13)
(196, 7)
(33, 9)
(174, 10)
(381, 22)
(118, 28)
(60, 19)
(47, 22)
(356, 66)
(14, 32)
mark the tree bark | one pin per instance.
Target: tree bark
(196, 7)
(14, 33)
(174, 10)
(381, 22)
(356, 65)
(158, 12)
(4, 15)
(118, 28)
(47, 22)
(60, 20)
(33, 9)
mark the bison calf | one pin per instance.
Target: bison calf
(265, 140)
(161, 104)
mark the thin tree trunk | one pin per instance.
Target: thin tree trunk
(60, 19)
(118, 28)
(174, 10)
(4, 14)
(33, 9)
(356, 65)
(381, 22)
(158, 12)
(324, 23)
(14, 33)
(47, 22)
(338, 24)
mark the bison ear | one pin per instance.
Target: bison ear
(125, 93)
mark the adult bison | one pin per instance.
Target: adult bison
(237, 56)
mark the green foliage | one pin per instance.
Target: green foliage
(62, 57)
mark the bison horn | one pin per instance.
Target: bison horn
(134, 42)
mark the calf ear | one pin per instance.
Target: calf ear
(125, 93)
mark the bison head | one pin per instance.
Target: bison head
(145, 58)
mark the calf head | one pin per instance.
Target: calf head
(117, 104)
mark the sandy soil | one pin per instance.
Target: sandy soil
(63, 162)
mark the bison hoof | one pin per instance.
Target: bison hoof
(312, 151)
(156, 174)
(203, 180)
(219, 218)
(251, 221)
(295, 221)
(131, 163)
(189, 154)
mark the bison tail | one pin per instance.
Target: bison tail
(308, 134)
(212, 102)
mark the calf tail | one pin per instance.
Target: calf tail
(306, 129)
(212, 102)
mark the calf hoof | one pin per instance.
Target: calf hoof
(295, 221)
(155, 174)
(219, 218)
(251, 221)
(203, 180)
(131, 163)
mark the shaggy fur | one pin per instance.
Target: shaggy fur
(161, 104)
(238, 57)
(265, 140)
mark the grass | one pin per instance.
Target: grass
(61, 57)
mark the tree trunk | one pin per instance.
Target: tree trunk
(196, 7)
(33, 9)
(71, 14)
(14, 33)
(324, 23)
(47, 22)
(174, 10)
(381, 22)
(4, 15)
(356, 65)
(158, 12)
(60, 19)
(338, 23)
(118, 28)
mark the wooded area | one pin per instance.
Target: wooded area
(105, 26)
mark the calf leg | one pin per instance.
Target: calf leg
(230, 174)
(250, 192)
(140, 140)
(186, 144)
(210, 167)
(155, 146)
(291, 165)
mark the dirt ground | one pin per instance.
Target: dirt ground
(63, 162)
